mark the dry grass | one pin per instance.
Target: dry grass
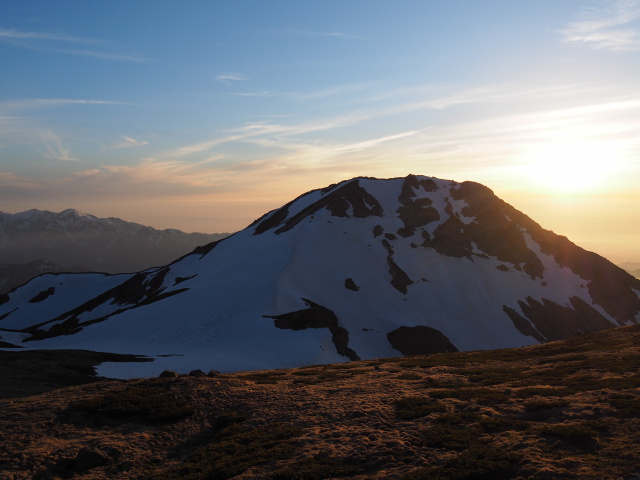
(565, 410)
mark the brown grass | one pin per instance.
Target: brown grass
(565, 410)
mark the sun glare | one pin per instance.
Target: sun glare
(571, 166)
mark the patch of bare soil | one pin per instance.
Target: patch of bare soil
(563, 410)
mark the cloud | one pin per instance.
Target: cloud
(264, 128)
(58, 37)
(104, 55)
(31, 103)
(341, 35)
(296, 156)
(147, 178)
(612, 27)
(18, 122)
(230, 77)
(254, 94)
(337, 90)
(129, 142)
(45, 42)
(374, 142)
(313, 95)
(53, 147)
(270, 133)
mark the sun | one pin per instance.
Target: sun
(570, 166)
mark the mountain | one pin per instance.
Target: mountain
(72, 241)
(363, 269)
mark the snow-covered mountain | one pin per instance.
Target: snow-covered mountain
(72, 240)
(362, 269)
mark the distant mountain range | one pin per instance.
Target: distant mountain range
(38, 241)
(363, 269)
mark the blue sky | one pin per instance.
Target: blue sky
(203, 115)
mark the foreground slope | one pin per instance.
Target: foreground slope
(563, 410)
(363, 269)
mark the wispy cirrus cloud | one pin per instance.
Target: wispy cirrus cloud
(335, 90)
(104, 55)
(270, 132)
(50, 42)
(299, 156)
(339, 35)
(229, 77)
(128, 142)
(265, 128)
(31, 103)
(6, 33)
(53, 147)
(615, 26)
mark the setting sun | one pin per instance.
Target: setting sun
(571, 166)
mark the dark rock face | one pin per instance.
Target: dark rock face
(202, 250)
(420, 340)
(450, 238)
(523, 325)
(43, 295)
(272, 220)
(414, 211)
(556, 322)
(317, 316)
(183, 279)
(399, 279)
(338, 201)
(351, 285)
(495, 229)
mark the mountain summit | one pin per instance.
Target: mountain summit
(362, 269)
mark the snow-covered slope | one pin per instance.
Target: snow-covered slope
(362, 269)
(71, 239)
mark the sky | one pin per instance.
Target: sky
(204, 115)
